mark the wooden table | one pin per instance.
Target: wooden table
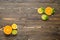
(30, 26)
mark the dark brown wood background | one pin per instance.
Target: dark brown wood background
(30, 26)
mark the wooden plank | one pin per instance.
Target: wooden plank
(28, 1)
(30, 25)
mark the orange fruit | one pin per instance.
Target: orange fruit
(49, 11)
(7, 30)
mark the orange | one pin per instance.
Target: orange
(49, 11)
(7, 30)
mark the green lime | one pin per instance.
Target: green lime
(53, 10)
(40, 10)
(44, 17)
(14, 32)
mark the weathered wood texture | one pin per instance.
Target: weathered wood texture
(30, 26)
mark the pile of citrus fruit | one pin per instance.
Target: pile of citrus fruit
(48, 11)
(10, 29)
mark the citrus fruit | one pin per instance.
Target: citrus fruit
(7, 30)
(53, 11)
(44, 17)
(14, 26)
(14, 32)
(49, 11)
(40, 10)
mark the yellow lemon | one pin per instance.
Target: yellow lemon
(40, 10)
(14, 26)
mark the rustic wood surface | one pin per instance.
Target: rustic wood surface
(30, 26)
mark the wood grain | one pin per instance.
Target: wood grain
(30, 26)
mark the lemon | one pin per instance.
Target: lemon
(40, 10)
(14, 26)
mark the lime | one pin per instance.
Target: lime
(44, 17)
(53, 10)
(14, 32)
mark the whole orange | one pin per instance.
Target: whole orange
(7, 30)
(49, 11)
